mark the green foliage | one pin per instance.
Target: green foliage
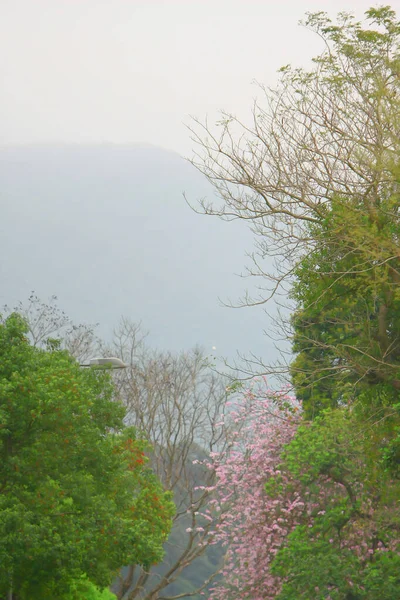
(323, 446)
(382, 577)
(76, 494)
(391, 454)
(317, 569)
(317, 176)
(83, 589)
(75, 589)
(347, 322)
(347, 283)
(346, 544)
(346, 333)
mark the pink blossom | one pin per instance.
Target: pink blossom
(254, 527)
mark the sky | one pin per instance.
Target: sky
(123, 71)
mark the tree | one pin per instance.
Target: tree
(316, 177)
(178, 404)
(347, 321)
(83, 589)
(311, 510)
(255, 525)
(76, 495)
(347, 542)
(175, 401)
(50, 326)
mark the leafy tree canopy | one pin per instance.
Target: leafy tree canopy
(347, 321)
(311, 509)
(76, 494)
(316, 175)
(346, 542)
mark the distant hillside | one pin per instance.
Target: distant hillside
(107, 230)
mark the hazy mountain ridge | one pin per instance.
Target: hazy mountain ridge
(106, 229)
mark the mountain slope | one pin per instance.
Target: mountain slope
(106, 229)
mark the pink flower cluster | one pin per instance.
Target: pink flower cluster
(254, 525)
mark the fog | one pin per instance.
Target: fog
(93, 214)
(135, 70)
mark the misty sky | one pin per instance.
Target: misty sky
(134, 70)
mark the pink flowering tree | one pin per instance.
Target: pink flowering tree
(306, 510)
(253, 525)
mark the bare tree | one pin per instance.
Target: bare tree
(50, 325)
(325, 135)
(177, 402)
